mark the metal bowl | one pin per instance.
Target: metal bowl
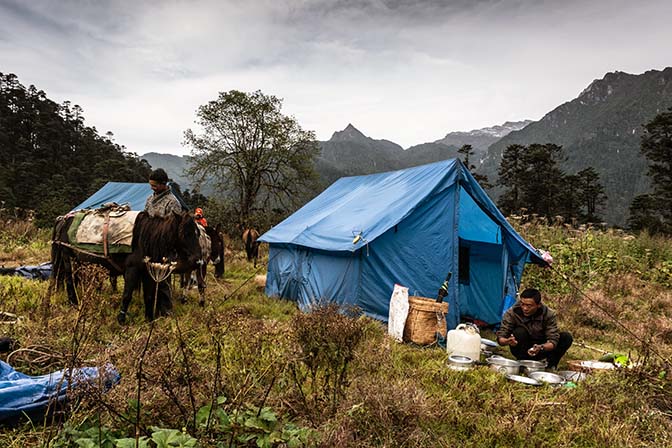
(503, 365)
(547, 377)
(460, 360)
(571, 375)
(528, 366)
(488, 342)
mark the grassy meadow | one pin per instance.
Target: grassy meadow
(248, 370)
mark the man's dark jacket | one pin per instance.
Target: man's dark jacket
(542, 326)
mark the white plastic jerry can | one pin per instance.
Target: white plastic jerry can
(464, 340)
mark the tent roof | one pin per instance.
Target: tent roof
(370, 205)
(134, 194)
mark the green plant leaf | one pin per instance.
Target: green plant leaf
(169, 438)
(86, 443)
(143, 442)
(268, 415)
(202, 415)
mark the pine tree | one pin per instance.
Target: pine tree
(590, 193)
(654, 211)
(467, 151)
(511, 172)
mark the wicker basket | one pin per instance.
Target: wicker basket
(425, 318)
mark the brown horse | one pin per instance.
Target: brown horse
(250, 237)
(170, 239)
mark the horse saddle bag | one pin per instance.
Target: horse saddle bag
(106, 230)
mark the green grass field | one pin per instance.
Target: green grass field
(248, 370)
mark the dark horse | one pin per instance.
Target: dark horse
(164, 240)
(217, 249)
(212, 250)
(250, 237)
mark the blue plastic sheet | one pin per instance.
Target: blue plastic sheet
(133, 194)
(22, 394)
(37, 272)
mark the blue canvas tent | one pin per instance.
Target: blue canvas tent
(133, 194)
(363, 234)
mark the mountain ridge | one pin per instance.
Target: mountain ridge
(602, 128)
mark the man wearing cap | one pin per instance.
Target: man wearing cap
(199, 218)
(162, 202)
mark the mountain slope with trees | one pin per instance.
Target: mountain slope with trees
(602, 129)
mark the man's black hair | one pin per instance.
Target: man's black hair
(159, 175)
(531, 293)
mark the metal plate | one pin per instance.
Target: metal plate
(571, 375)
(458, 368)
(547, 377)
(599, 365)
(524, 380)
(488, 342)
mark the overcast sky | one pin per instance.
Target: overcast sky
(409, 71)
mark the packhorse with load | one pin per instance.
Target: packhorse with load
(127, 243)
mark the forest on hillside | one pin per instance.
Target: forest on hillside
(51, 160)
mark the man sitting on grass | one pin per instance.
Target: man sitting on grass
(530, 329)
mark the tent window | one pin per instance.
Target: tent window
(464, 265)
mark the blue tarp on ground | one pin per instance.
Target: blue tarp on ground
(133, 194)
(22, 394)
(363, 234)
(38, 272)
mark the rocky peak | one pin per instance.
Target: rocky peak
(350, 133)
(600, 89)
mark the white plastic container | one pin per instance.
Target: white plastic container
(465, 340)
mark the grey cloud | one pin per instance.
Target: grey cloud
(452, 65)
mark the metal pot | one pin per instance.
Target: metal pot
(503, 365)
(528, 366)
(459, 362)
(547, 377)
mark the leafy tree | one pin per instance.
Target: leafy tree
(654, 211)
(257, 155)
(194, 199)
(467, 151)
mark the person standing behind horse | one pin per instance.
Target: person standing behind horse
(199, 218)
(162, 202)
